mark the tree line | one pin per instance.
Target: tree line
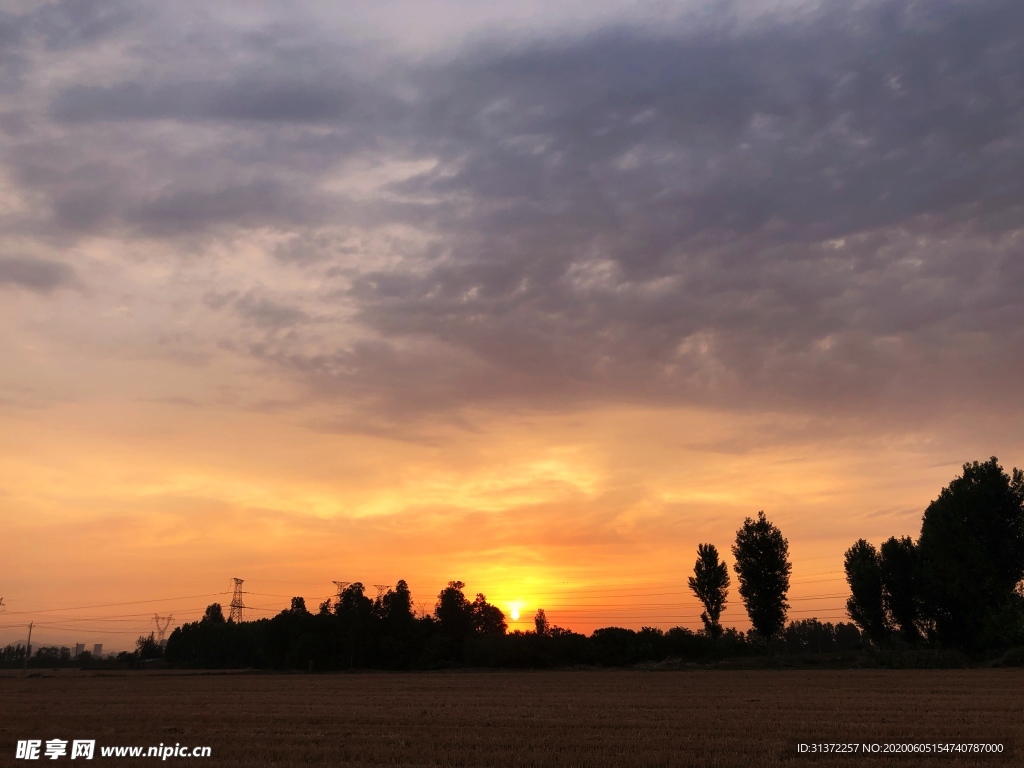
(958, 586)
(355, 631)
(961, 584)
(57, 656)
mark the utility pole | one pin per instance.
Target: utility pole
(28, 648)
(236, 603)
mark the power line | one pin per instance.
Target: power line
(91, 619)
(611, 591)
(269, 594)
(577, 600)
(95, 631)
(111, 605)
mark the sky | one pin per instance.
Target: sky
(536, 296)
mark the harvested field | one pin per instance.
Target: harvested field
(593, 718)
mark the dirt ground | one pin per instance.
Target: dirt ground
(578, 718)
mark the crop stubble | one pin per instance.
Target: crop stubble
(579, 718)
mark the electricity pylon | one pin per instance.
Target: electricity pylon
(236, 603)
(162, 622)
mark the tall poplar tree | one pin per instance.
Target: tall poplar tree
(710, 584)
(763, 567)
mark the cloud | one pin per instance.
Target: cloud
(70, 24)
(806, 211)
(37, 275)
(245, 100)
(803, 215)
(268, 314)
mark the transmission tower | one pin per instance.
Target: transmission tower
(340, 586)
(162, 622)
(236, 603)
(381, 589)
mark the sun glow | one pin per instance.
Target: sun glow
(514, 611)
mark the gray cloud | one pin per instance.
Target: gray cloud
(252, 100)
(75, 23)
(262, 312)
(814, 211)
(38, 275)
(809, 213)
(268, 314)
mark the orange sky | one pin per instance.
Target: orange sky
(593, 516)
(533, 296)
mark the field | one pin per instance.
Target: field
(586, 718)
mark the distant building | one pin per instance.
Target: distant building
(97, 650)
(79, 649)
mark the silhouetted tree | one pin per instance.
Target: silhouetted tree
(453, 611)
(540, 621)
(972, 557)
(710, 584)
(355, 616)
(813, 636)
(650, 644)
(226, 644)
(864, 575)
(809, 636)
(454, 615)
(848, 637)
(214, 614)
(397, 604)
(762, 565)
(487, 619)
(298, 606)
(900, 593)
(146, 647)
(51, 656)
(399, 629)
(13, 654)
(614, 646)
